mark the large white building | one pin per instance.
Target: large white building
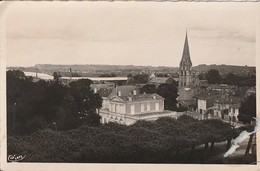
(126, 106)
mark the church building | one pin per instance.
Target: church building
(187, 79)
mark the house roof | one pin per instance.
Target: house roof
(235, 106)
(188, 102)
(139, 97)
(207, 95)
(125, 90)
(99, 86)
(104, 92)
(228, 100)
(159, 80)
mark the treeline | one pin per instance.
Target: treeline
(49, 104)
(160, 141)
(168, 91)
(214, 77)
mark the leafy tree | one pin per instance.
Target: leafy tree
(37, 105)
(86, 101)
(203, 76)
(56, 76)
(170, 93)
(213, 77)
(138, 79)
(148, 88)
(233, 79)
(248, 109)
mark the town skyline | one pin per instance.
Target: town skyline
(128, 34)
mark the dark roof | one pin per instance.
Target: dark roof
(228, 100)
(207, 95)
(125, 90)
(99, 86)
(140, 97)
(188, 102)
(103, 92)
(159, 80)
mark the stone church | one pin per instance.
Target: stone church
(188, 81)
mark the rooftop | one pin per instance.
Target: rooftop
(140, 97)
(159, 80)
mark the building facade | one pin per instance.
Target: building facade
(126, 106)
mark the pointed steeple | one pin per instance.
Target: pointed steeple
(186, 53)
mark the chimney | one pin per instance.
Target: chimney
(134, 92)
(95, 90)
(119, 93)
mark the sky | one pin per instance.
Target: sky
(129, 33)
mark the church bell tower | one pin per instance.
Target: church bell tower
(185, 74)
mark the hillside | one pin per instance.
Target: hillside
(124, 70)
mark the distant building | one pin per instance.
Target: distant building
(205, 101)
(161, 80)
(227, 108)
(126, 106)
(187, 87)
(97, 87)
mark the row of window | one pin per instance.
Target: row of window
(120, 108)
(144, 108)
(184, 73)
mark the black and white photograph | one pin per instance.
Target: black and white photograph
(131, 83)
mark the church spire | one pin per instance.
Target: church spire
(185, 73)
(186, 53)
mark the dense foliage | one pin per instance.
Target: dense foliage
(214, 77)
(148, 89)
(233, 79)
(48, 104)
(168, 91)
(248, 109)
(145, 141)
(137, 79)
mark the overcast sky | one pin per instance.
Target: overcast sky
(131, 33)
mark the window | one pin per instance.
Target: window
(132, 109)
(148, 107)
(113, 107)
(142, 107)
(156, 106)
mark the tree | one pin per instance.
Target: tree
(148, 88)
(248, 109)
(213, 77)
(86, 101)
(233, 79)
(138, 79)
(37, 105)
(56, 76)
(202, 76)
(170, 93)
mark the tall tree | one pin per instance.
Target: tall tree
(170, 93)
(87, 102)
(248, 109)
(138, 79)
(148, 88)
(213, 77)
